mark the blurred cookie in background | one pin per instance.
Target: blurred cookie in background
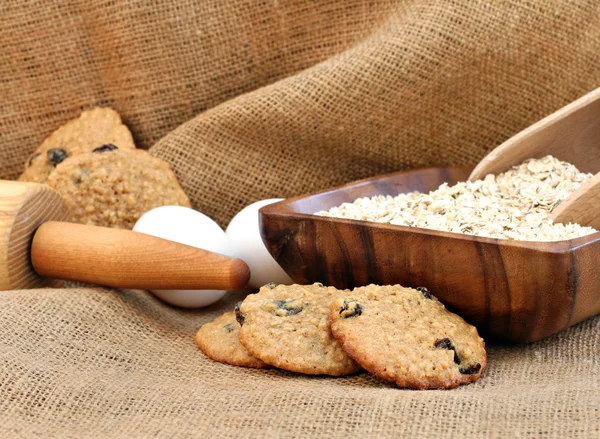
(92, 129)
(113, 187)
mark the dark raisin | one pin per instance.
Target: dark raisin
(445, 343)
(104, 148)
(470, 370)
(238, 314)
(37, 154)
(270, 286)
(290, 306)
(424, 291)
(79, 178)
(56, 155)
(229, 327)
(351, 309)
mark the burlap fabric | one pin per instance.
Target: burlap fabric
(254, 99)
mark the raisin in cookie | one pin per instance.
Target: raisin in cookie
(407, 336)
(288, 327)
(113, 188)
(219, 340)
(92, 129)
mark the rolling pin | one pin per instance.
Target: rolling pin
(38, 248)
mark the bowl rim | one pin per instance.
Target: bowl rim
(285, 208)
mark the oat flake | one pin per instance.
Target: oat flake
(511, 205)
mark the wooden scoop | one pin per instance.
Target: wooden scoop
(571, 134)
(36, 248)
(582, 206)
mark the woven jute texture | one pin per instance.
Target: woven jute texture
(256, 99)
(120, 364)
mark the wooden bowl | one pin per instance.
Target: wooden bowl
(515, 291)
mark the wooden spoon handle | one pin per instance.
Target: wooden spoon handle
(127, 259)
(582, 206)
(570, 134)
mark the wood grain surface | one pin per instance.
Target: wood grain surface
(582, 206)
(23, 208)
(126, 259)
(514, 291)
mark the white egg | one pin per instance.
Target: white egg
(244, 234)
(190, 227)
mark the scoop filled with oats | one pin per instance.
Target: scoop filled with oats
(511, 205)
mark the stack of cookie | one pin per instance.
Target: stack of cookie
(94, 164)
(401, 335)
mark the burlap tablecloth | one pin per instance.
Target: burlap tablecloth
(256, 99)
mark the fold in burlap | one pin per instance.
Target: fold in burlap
(261, 99)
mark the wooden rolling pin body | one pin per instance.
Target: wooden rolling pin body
(126, 259)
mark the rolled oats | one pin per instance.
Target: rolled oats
(511, 205)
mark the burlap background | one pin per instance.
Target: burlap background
(254, 99)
